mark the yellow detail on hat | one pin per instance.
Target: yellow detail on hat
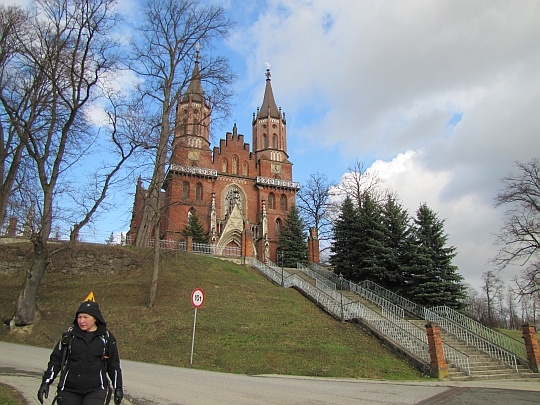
(90, 297)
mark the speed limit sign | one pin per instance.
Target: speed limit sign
(197, 298)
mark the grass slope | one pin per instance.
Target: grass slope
(246, 325)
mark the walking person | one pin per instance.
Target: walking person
(83, 358)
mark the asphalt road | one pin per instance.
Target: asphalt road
(145, 384)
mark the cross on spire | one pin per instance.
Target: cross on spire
(268, 75)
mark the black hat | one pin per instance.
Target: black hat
(90, 308)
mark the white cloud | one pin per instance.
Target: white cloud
(455, 81)
(470, 221)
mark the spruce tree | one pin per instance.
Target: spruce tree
(195, 229)
(371, 247)
(399, 245)
(344, 258)
(434, 280)
(293, 240)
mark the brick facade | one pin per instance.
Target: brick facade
(241, 196)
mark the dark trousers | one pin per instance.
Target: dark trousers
(72, 398)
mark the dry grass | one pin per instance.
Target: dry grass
(246, 325)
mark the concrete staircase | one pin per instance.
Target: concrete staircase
(481, 365)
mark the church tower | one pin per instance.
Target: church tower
(241, 197)
(192, 126)
(277, 191)
(270, 135)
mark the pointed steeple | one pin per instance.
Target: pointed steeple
(269, 107)
(195, 87)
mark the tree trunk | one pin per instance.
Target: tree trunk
(155, 268)
(26, 312)
(148, 218)
(6, 188)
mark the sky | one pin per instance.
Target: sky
(439, 97)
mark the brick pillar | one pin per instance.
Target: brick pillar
(313, 246)
(12, 227)
(189, 244)
(531, 343)
(247, 243)
(439, 368)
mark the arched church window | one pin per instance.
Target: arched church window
(274, 141)
(185, 189)
(283, 202)
(265, 141)
(271, 201)
(198, 192)
(224, 165)
(245, 170)
(234, 165)
(278, 226)
(233, 198)
(184, 126)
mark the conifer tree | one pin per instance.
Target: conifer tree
(293, 240)
(346, 239)
(195, 229)
(399, 245)
(371, 248)
(434, 280)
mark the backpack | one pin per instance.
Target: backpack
(66, 339)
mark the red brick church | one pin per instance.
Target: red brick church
(241, 196)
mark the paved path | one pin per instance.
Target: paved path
(146, 384)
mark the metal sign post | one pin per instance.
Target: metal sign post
(197, 299)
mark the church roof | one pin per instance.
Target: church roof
(195, 86)
(269, 106)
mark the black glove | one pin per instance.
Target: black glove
(43, 392)
(118, 395)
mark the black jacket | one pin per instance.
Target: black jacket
(90, 356)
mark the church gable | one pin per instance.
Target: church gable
(229, 185)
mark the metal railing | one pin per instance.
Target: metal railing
(449, 325)
(378, 300)
(388, 322)
(500, 339)
(216, 250)
(204, 248)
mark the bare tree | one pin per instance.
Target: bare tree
(519, 238)
(67, 52)
(13, 24)
(476, 304)
(313, 204)
(493, 288)
(171, 33)
(358, 182)
(124, 140)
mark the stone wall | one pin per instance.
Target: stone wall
(86, 259)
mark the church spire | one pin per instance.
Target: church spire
(269, 107)
(195, 87)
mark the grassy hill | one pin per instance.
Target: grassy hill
(246, 325)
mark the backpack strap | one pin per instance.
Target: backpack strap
(67, 336)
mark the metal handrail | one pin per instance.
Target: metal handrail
(505, 341)
(455, 328)
(388, 323)
(378, 300)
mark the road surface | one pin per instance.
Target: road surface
(145, 384)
